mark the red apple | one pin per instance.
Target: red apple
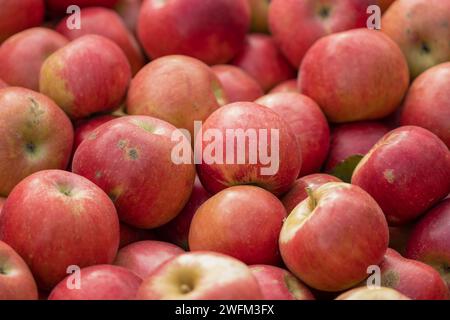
(3, 84)
(412, 278)
(201, 276)
(177, 89)
(421, 29)
(177, 230)
(427, 103)
(85, 127)
(36, 135)
(259, 13)
(355, 75)
(22, 55)
(100, 282)
(430, 240)
(262, 60)
(243, 222)
(55, 219)
(406, 172)
(308, 123)
(299, 192)
(129, 234)
(364, 293)
(2, 202)
(129, 11)
(130, 159)
(316, 238)
(89, 75)
(279, 284)
(209, 30)
(315, 19)
(60, 6)
(144, 257)
(237, 84)
(16, 280)
(353, 139)
(16, 16)
(94, 21)
(286, 86)
(253, 130)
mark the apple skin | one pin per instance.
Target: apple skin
(427, 103)
(23, 54)
(421, 30)
(279, 284)
(55, 204)
(2, 202)
(94, 21)
(60, 6)
(385, 4)
(36, 135)
(89, 75)
(100, 282)
(85, 127)
(406, 172)
(177, 89)
(177, 230)
(241, 221)
(430, 240)
(201, 276)
(16, 16)
(287, 17)
(237, 84)
(412, 278)
(16, 280)
(130, 159)
(298, 191)
(359, 58)
(178, 27)
(286, 86)
(351, 139)
(307, 121)
(144, 257)
(399, 236)
(259, 15)
(129, 234)
(314, 243)
(262, 60)
(364, 293)
(3, 84)
(129, 11)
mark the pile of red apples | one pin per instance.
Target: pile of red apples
(92, 205)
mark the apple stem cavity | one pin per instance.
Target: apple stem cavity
(312, 200)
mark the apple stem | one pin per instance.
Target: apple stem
(312, 200)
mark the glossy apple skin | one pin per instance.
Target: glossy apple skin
(248, 115)
(144, 257)
(177, 230)
(16, 280)
(89, 75)
(241, 221)
(364, 293)
(279, 284)
(259, 15)
(427, 103)
(85, 127)
(100, 282)
(94, 21)
(129, 11)
(340, 70)
(351, 139)
(209, 275)
(36, 135)
(177, 89)
(308, 123)
(430, 240)
(178, 27)
(286, 86)
(60, 6)
(130, 159)
(412, 278)
(312, 251)
(22, 55)
(262, 60)
(129, 234)
(55, 204)
(406, 172)
(16, 16)
(298, 191)
(237, 84)
(287, 17)
(421, 29)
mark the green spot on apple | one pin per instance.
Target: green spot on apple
(133, 154)
(324, 12)
(390, 279)
(344, 169)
